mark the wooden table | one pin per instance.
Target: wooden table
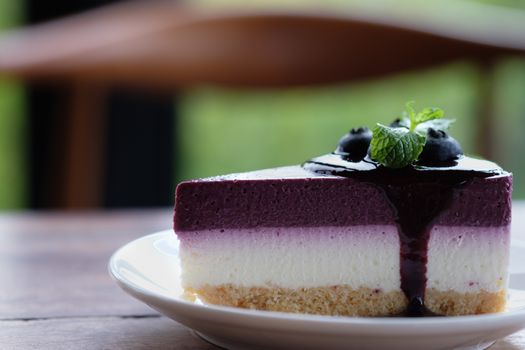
(56, 292)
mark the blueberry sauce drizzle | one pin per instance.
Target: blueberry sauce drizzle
(418, 195)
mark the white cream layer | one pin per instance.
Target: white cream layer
(464, 259)
(468, 259)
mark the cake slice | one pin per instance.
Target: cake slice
(341, 236)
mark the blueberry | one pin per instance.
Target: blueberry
(440, 148)
(398, 123)
(354, 145)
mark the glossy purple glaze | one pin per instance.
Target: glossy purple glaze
(306, 199)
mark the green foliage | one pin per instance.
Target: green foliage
(438, 124)
(395, 147)
(224, 130)
(13, 174)
(428, 114)
(13, 170)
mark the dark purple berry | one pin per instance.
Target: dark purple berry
(354, 145)
(399, 123)
(439, 148)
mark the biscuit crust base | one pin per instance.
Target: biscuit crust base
(451, 303)
(346, 301)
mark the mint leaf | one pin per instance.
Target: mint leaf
(401, 143)
(429, 113)
(438, 124)
(410, 112)
(395, 147)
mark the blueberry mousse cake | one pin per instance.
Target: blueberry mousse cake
(394, 222)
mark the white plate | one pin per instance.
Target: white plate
(148, 269)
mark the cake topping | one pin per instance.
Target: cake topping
(395, 147)
(420, 170)
(400, 123)
(400, 144)
(354, 145)
(440, 148)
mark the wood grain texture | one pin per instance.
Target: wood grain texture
(99, 333)
(513, 342)
(59, 295)
(55, 265)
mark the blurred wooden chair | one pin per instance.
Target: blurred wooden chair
(164, 46)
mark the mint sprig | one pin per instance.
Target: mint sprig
(437, 124)
(397, 147)
(442, 124)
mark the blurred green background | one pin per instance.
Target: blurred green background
(226, 131)
(13, 167)
(269, 128)
(222, 131)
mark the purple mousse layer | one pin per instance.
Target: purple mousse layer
(293, 197)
